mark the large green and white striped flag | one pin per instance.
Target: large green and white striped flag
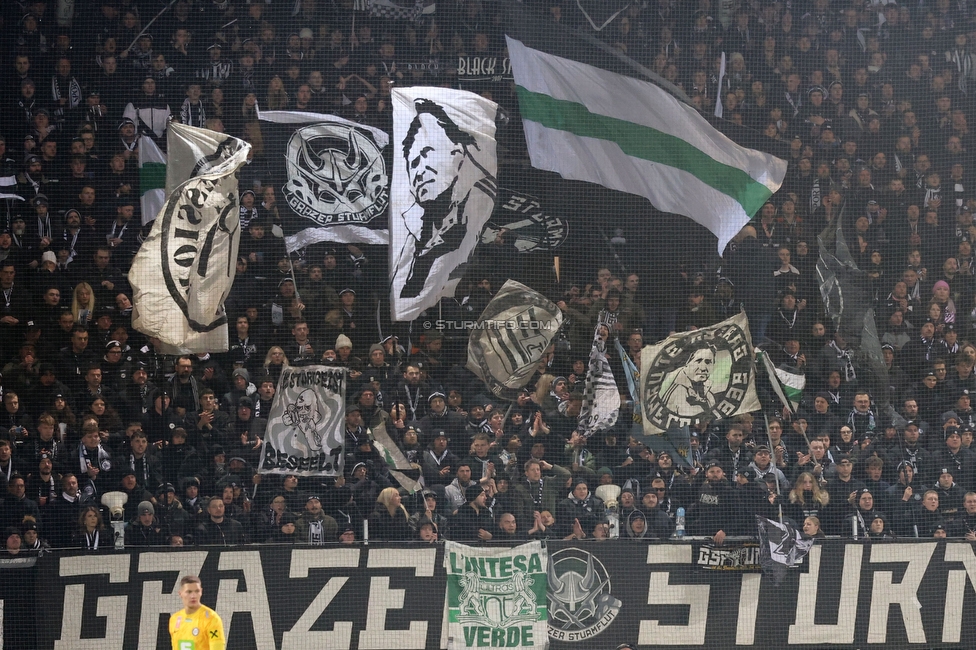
(589, 124)
(152, 179)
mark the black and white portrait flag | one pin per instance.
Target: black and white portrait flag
(706, 374)
(443, 192)
(331, 177)
(511, 337)
(306, 427)
(185, 269)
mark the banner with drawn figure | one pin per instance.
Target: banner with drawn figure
(329, 176)
(443, 192)
(707, 374)
(306, 428)
(510, 338)
(496, 597)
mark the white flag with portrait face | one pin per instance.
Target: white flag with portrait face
(443, 193)
(703, 375)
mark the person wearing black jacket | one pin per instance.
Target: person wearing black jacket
(912, 452)
(713, 514)
(582, 507)
(964, 525)
(14, 309)
(732, 455)
(389, 521)
(658, 523)
(145, 530)
(438, 463)
(472, 522)
(217, 529)
(906, 491)
(840, 487)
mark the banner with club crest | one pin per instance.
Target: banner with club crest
(496, 597)
(306, 428)
(510, 338)
(330, 178)
(706, 374)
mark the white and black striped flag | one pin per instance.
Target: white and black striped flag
(781, 547)
(601, 399)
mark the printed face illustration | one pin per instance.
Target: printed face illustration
(433, 161)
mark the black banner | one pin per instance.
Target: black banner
(737, 556)
(853, 595)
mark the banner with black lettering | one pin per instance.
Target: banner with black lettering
(331, 175)
(185, 269)
(709, 373)
(530, 223)
(443, 192)
(496, 597)
(306, 427)
(510, 338)
(486, 67)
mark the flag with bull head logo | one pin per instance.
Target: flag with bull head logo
(331, 175)
(185, 269)
(306, 428)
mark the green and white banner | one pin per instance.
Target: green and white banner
(496, 597)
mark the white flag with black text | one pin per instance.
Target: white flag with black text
(443, 193)
(185, 269)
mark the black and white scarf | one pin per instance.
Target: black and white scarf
(65, 88)
(193, 114)
(316, 534)
(846, 357)
(102, 459)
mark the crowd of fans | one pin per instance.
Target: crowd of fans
(871, 99)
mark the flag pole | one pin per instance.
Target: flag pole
(773, 455)
(144, 29)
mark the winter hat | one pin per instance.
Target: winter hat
(472, 492)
